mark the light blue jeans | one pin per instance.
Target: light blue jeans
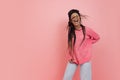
(85, 71)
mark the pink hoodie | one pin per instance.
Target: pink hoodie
(82, 53)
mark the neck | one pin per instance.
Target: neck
(78, 27)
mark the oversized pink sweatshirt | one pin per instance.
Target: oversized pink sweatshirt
(82, 53)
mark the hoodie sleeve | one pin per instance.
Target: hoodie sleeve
(92, 34)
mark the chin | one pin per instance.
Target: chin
(76, 25)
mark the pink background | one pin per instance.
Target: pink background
(33, 38)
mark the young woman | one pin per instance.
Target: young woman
(80, 40)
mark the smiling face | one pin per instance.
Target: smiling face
(75, 19)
